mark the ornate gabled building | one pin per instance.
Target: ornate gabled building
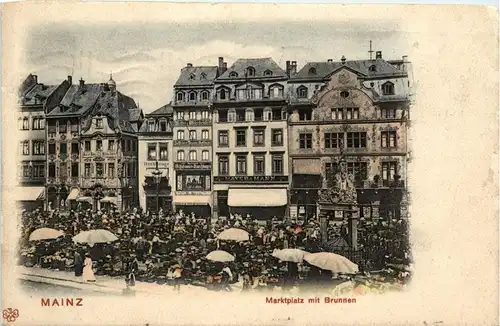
(34, 99)
(92, 148)
(360, 107)
(155, 152)
(192, 144)
(250, 132)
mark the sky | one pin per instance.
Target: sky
(146, 59)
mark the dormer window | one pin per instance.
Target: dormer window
(98, 123)
(372, 68)
(388, 88)
(312, 71)
(203, 76)
(192, 77)
(344, 94)
(223, 94)
(192, 96)
(180, 96)
(302, 92)
(268, 73)
(250, 72)
(204, 95)
(233, 74)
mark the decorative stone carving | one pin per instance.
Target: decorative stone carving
(344, 78)
(342, 189)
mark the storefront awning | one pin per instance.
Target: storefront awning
(87, 199)
(31, 193)
(193, 200)
(257, 197)
(73, 194)
(221, 187)
(108, 199)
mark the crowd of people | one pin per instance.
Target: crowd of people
(171, 248)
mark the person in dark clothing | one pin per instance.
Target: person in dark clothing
(78, 264)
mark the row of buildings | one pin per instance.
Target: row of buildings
(251, 138)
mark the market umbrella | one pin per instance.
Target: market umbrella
(95, 236)
(234, 235)
(45, 234)
(332, 262)
(291, 255)
(220, 255)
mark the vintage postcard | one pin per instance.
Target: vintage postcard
(249, 164)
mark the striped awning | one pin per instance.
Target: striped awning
(73, 194)
(30, 193)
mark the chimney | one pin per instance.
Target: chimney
(343, 60)
(225, 66)
(221, 63)
(405, 58)
(293, 67)
(70, 80)
(330, 60)
(189, 65)
(82, 82)
(378, 55)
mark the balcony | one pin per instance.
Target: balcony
(189, 143)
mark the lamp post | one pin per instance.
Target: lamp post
(157, 177)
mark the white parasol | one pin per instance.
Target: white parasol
(95, 236)
(332, 262)
(234, 235)
(291, 255)
(220, 255)
(45, 234)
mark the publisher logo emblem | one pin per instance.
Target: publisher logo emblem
(10, 314)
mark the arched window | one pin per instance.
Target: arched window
(204, 95)
(192, 96)
(180, 155)
(192, 155)
(268, 73)
(180, 96)
(388, 88)
(276, 92)
(344, 94)
(26, 123)
(302, 92)
(223, 94)
(233, 74)
(250, 72)
(372, 68)
(203, 76)
(312, 71)
(192, 76)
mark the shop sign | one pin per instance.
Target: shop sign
(252, 179)
(192, 166)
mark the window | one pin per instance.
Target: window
(241, 137)
(241, 164)
(276, 114)
(277, 137)
(388, 88)
(74, 170)
(193, 182)
(52, 170)
(205, 115)
(111, 170)
(180, 96)
(223, 94)
(99, 170)
(337, 114)
(38, 147)
(259, 166)
(205, 134)
(352, 113)
(38, 123)
(63, 127)
(152, 151)
(128, 146)
(233, 74)
(277, 165)
(276, 92)
(389, 170)
(180, 134)
(305, 114)
(151, 125)
(388, 113)
(268, 73)
(302, 92)
(88, 170)
(204, 96)
(312, 71)
(223, 138)
(52, 148)
(372, 68)
(344, 94)
(26, 123)
(74, 126)
(240, 115)
(231, 116)
(356, 139)
(180, 115)
(205, 155)
(333, 140)
(192, 156)
(192, 115)
(192, 135)
(75, 148)
(39, 171)
(25, 147)
(258, 114)
(87, 145)
(163, 125)
(63, 149)
(192, 76)
(98, 145)
(222, 116)
(388, 139)
(111, 145)
(305, 141)
(250, 72)
(358, 169)
(330, 168)
(163, 151)
(223, 165)
(258, 137)
(180, 155)
(98, 123)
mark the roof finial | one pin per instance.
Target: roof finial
(343, 59)
(371, 51)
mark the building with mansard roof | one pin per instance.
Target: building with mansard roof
(356, 111)
(92, 148)
(155, 155)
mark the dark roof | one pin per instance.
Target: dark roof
(197, 76)
(78, 100)
(27, 84)
(136, 115)
(323, 69)
(38, 94)
(164, 110)
(260, 65)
